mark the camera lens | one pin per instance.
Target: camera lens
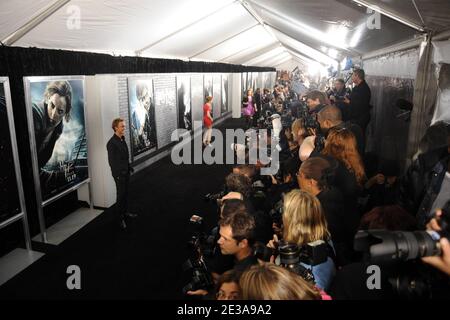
(397, 245)
(289, 253)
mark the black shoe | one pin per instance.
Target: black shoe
(123, 225)
(131, 215)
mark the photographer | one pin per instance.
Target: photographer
(304, 223)
(237, 238)
(316, 177)
(330, 117)
(339, 94)
(271, 282)
(316, 101)
(239, 187)
(427, 181)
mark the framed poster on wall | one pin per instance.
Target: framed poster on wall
(244, 84)
(12, 202)
(217, 95)
(184, 102)
(165, 93)
(197, 99)
(224, 102)
(141, 108)
(58, 134)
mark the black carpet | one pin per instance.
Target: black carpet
(143, 262)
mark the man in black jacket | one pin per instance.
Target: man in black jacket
(120, 168)
(424, 187)
(358, 110)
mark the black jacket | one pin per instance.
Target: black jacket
(421, 183)
(118, 156)
(359, 108)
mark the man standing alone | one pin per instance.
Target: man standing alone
(120, 168)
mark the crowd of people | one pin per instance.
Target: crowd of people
(327, 189)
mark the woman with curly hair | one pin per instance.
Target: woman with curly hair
(341, 145)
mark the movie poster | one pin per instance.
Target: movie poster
(9, 192)
(248, 85)
(142, 116)
(244, 84)
(57, 109)
(266, 81)
(224, 104)
(197, 98)
(184, 102)
(255, 81)
(217, 95)
(166, 108)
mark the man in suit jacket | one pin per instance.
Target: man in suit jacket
(120, 168)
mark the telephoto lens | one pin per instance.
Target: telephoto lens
(384, 246)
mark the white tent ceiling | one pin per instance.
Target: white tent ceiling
(252, 32)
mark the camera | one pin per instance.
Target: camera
(382, 245)
(201, 277)
(400, 251)
(201, 246)
(291, 256)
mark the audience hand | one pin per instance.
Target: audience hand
(442, 262)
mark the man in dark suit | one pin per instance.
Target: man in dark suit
(359, 101)
(120, 168)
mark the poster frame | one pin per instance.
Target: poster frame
(22, 215)
(146, 153)
(37, 183)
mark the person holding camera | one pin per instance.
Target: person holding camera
(331, 117)
(316, 100)
(237, 239)
(120, 168)
(271, 282)
(339, 94)
(305, 223)
(316, 177)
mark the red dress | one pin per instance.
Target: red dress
(207, 122)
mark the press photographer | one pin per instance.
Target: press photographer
(304, 226)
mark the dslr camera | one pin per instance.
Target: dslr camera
(291, 256)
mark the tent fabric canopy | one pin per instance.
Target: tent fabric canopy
(229, 31)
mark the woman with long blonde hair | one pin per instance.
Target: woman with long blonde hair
(303, 223)
(271, 282)
(341, 145)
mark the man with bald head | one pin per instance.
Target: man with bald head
(331, 117)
